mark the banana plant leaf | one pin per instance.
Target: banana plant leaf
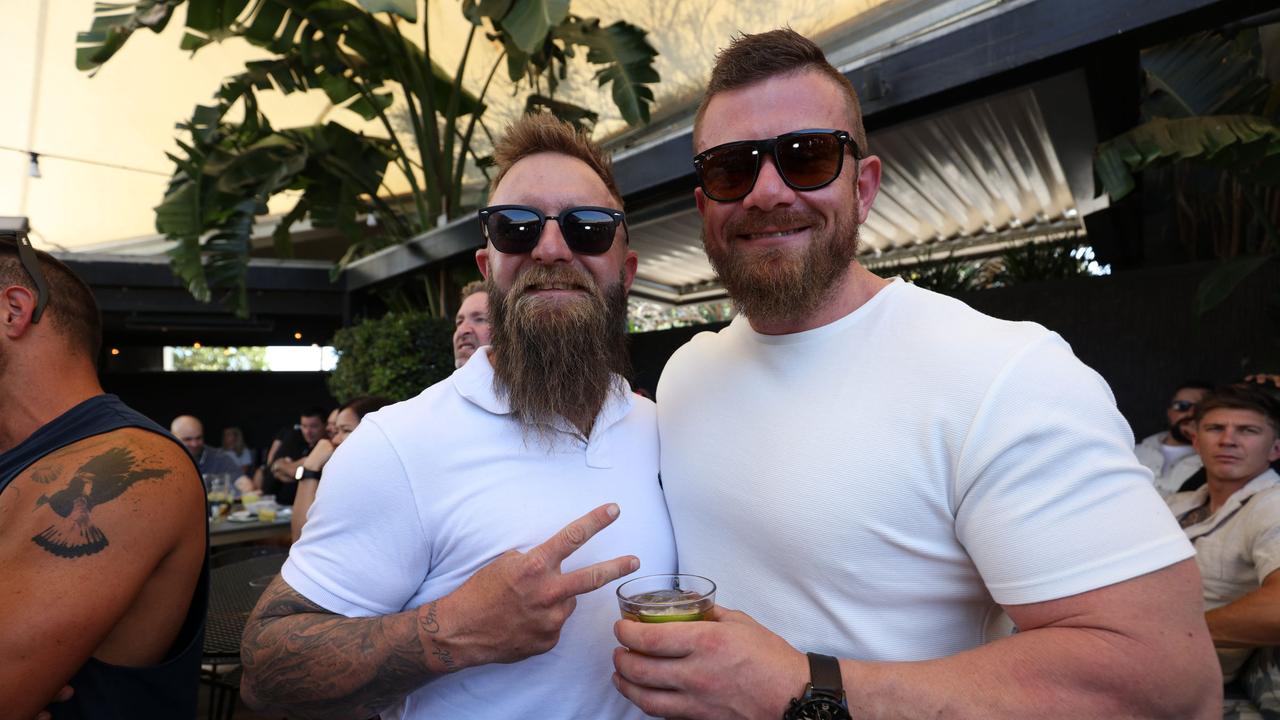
(1225, 278)
(626, 58)
(1247, 146)
(1205, 74)
(529, 21)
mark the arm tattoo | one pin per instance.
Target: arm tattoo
(432, 628)
(105, 477)
(305, 661)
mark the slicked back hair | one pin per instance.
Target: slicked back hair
(71, 309)
(1242, 396)
(750, 59)
(542, 132)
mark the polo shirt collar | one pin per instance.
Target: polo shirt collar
(474, 381)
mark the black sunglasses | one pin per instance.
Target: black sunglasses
(806, 160)
(1182, 405)
(30, 263)
(515, 229)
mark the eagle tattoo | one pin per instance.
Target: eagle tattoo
(98, 481)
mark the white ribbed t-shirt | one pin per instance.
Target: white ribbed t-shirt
(873, 488)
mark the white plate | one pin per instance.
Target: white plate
(243, 516)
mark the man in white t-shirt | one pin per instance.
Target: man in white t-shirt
(424, 584)
(1234, 520)
(1168, 454)
(872, 472)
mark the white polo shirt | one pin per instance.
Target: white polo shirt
(428, 491)
(1237, 547)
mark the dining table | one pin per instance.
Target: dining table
(225, 531)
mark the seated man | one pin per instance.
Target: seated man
(471, 326)
(102, 519)
(453, 564)
(210, 460)
(1234, 521)
(1168, 454)
(286, 454)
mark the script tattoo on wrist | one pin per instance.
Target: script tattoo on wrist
(71, 532)
(432, 627)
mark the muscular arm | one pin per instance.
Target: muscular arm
(1251, 621)
(120, 513)
(1091, 655)
(304, 660)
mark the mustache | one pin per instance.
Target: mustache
(755, 221)
(562, 275)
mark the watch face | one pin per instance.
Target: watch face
(820, 709)
(297, 474)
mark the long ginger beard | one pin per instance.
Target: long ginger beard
(782, 284)
(555, 358)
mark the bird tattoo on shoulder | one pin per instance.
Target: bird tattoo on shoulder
(100, 480)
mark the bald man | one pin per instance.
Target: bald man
(210, 460)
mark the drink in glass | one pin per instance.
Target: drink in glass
(667, 598)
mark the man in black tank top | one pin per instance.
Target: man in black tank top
(103, 533)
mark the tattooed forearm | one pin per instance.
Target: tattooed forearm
(302, 660)
(432, 627)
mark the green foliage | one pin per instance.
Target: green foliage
(395, 356)
(231, 359)
(358, 56)
(1039, 261)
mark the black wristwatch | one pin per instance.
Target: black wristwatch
(304, 474)
(823, 697)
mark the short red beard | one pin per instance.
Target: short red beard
(783, 284)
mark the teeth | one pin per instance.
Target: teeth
(779, 233)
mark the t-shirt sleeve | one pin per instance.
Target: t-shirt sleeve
(1264, 518)
(363, 551)
(1050, 499)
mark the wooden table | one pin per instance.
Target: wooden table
(227, 532)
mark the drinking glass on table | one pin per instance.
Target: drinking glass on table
(667, 598)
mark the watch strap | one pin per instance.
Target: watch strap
(310, 474)
(824, 675)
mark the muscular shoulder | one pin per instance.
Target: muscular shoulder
(129, 487)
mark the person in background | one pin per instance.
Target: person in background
(103, 539)
(331, 423)
(1169, 454)
(871, 472)
(284, 460)
(471, 325)
(348, 417)
(1234, 520)
(233, 445)
(210, 460)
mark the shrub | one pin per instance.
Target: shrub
(395, 356)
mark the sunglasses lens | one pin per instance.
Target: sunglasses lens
(588, 231)
(728, 173)
(809, 161)
(513, 230)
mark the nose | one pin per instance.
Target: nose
(551, 247)
(769, 191)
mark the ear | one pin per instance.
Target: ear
(700, 198)
(868, 185)
(17, 303)
(482, 261)
(629, 265)
(1274, 455)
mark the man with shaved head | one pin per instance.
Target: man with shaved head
(210, 460)
(102, 519)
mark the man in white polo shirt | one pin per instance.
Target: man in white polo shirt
(424, 584)
(1234, 521)
(1168, 454)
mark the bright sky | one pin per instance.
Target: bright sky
(102, 140)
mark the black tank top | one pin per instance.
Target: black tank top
(109, 692)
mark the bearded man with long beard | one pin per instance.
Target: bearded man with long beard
(424, 584)
(872, 472)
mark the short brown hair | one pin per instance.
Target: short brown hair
(1242, 396)
(71, 308)
(542, 132)
(752, 58)
(470, 289)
